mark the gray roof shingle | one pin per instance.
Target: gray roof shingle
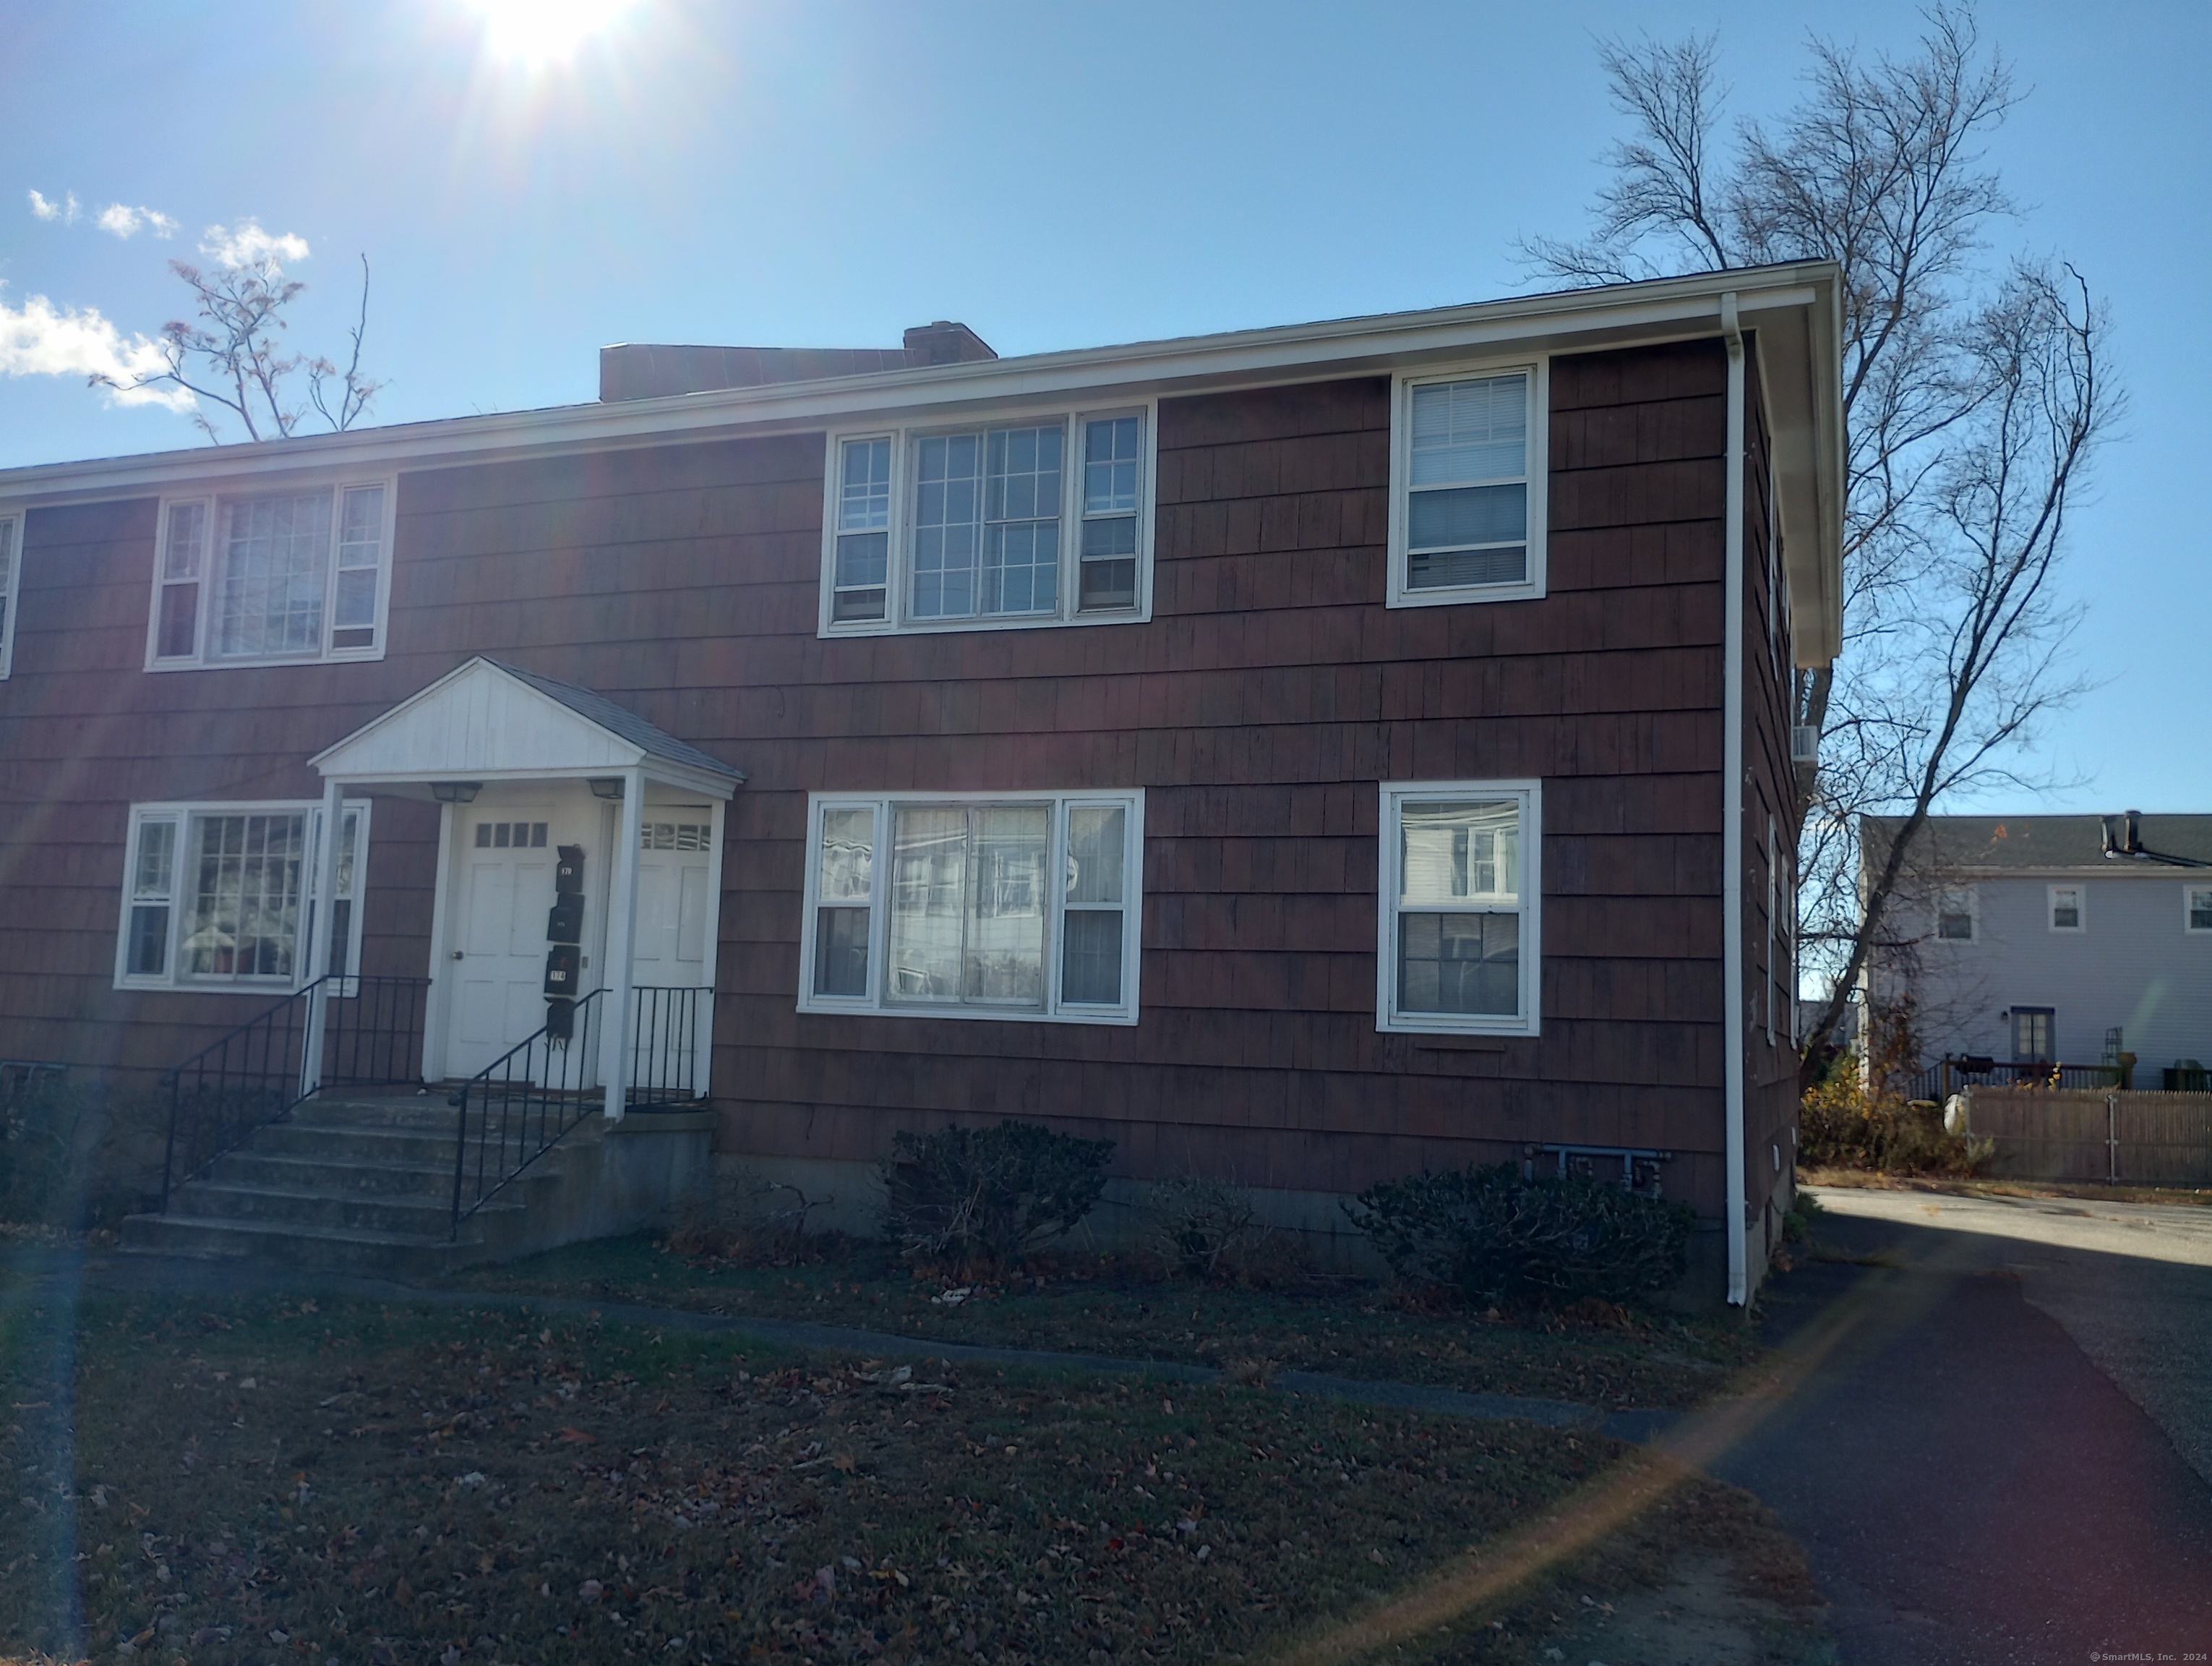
(620, 720)
(2045, 842)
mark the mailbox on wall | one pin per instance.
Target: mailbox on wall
(568, 871)
(564, 921)
(563, 961)
(560, 1019)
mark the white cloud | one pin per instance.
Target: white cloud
(126, 221)
(66, 210)
(38, 340)
(247, 244)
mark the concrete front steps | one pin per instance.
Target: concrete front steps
(365, 1185)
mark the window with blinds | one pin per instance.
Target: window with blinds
(1467, 519)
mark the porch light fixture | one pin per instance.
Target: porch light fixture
(606, 786)
(456, 792)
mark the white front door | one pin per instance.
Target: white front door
(505, 862)
(675, 846)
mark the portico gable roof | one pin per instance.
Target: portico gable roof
(488, 721)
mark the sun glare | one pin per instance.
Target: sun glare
(544, 31)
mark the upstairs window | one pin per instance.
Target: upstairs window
(268, 578)
(1954, 917)
(222, 896)
(1017, 907)
(11, 531)
(2068, 912)
(2196, 907)
(1467, 511)
(1036, 521)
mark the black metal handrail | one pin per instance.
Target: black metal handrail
(257, 1073)
(532, 1097)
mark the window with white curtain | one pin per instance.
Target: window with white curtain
(1013, 906)
(1027, 521)
(272, 576)
(1467, 510)
(222, 896)
(1460, 900)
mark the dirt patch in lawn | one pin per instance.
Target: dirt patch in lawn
(1605, 1356)
(288, 1481)
(1866, 1180)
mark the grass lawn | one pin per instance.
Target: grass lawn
(1099, 1304)
(274, 1480)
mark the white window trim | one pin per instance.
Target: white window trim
(213, 497)
(1528, 1020)
(1401, 446)
(13, 520)
(905, 435)
(1052, 1011)
(1972, 894)
(2082, 909)
(181, 814)
(2187, 888)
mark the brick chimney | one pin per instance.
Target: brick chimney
(946, 343)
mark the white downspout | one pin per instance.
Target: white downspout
(1739, 1286)
(621, 943)
(318, 944)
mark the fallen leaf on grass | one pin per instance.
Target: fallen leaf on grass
(577, 1435)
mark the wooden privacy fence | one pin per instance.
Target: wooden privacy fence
(2058, 1134)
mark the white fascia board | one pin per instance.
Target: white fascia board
(1663, 308)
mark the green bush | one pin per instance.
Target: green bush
(1491, 1235)
(1842, 1124)
(75, 1156)
(989, 1194)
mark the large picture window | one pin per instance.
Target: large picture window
(1013, 906)
(1039, 520)
(1459, 892)
(278, 576)
(1467, 503)
(222, 896)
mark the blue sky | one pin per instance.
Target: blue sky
(773, 173)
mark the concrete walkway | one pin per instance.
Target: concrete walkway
(1987, 1453)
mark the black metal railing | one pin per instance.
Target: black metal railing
(525, 1101)
(1941, 1080)
(664, 1042)
(257, 1074)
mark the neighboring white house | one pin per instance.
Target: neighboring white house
(2035, 938)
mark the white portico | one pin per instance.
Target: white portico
(523, 766)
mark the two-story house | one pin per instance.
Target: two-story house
(2052, 939)
(1303, 755)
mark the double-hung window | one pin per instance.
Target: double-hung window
(1956, 911)
(222, 896)
(1460, 888)
(2068, 911)
(1020, 905)
(2196, 907)
(1466, 477)
(272, 576)
(11, 564)
(1031, 521)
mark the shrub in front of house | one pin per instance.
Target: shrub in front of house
(75, 1155)
(1490, 1235)
(1845, 1124)
(1202, 1228)
(989, 1196)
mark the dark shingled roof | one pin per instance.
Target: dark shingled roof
(2047, 841)
(620, 720)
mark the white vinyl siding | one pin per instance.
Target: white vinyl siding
(1460, 888)
(11, 567)
(1033, 520)
(1467, 503)
(272, 577)
(1016, 905)
(217, 895)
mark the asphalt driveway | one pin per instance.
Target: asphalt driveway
(1998, 1446)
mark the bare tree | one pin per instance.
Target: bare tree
(231, 355)
(1973, 398)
